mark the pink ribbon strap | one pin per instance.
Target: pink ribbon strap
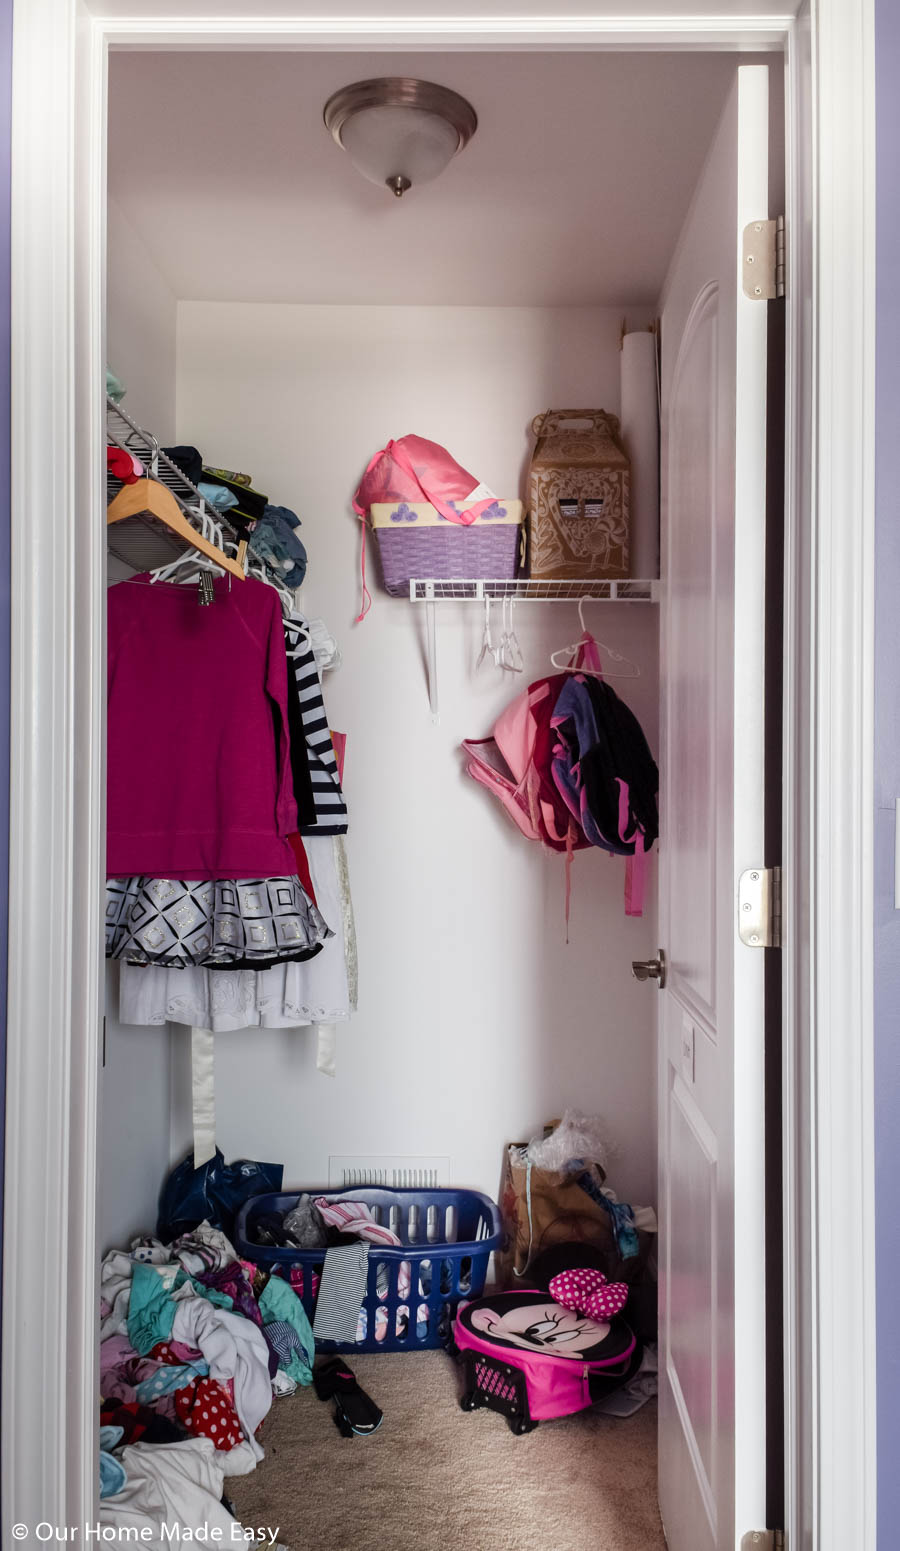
(401, 456)
(365, 595)
(636, 879)
(570, 853)
(624, 806)
(361, 510)
(588, 655)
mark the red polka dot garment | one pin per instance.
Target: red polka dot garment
(206, 1408)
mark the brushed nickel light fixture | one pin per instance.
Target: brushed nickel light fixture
(398, 131)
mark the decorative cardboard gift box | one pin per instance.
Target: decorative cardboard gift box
(578, 497)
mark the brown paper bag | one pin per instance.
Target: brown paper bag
(542, 1207)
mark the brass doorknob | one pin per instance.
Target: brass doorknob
(651, 969)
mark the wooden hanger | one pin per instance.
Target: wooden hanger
(148, 498)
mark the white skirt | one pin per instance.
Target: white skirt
(290, 995)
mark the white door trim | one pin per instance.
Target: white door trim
(49, 1450)
(633, 28)
(841, 775)
(49, 1294)
(800, 1443)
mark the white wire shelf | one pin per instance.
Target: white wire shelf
(523, 589)
(142, 542)
(124, 432)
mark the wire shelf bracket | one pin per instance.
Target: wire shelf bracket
(431, 590)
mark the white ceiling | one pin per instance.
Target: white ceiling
(572, 191)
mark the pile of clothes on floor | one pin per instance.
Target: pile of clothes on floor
(195, 1343)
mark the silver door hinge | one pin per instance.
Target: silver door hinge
(763, 260)
(759, 907)
(763, 1540)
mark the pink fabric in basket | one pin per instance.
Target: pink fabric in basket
(355, 1217)
(414, 469)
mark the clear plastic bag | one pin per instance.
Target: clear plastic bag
(577, 1136)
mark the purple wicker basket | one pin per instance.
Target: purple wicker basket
(447, 553)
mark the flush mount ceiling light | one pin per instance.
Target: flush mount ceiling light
(398, 131)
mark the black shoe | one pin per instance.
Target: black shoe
(355, 1412)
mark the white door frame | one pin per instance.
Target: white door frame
(49, 1379)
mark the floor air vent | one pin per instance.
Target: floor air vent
(390, 1171)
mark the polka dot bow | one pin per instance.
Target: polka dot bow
(588, 1292)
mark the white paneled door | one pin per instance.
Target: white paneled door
(712, 1294)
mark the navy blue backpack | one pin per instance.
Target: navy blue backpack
(605, 773)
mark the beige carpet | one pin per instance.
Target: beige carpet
(434, 1476)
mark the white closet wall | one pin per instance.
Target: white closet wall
(140, 326)
(476, 1021)
(135, 1119)
(135, 1102)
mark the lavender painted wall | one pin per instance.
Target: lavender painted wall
(6, 14)
(887, 764)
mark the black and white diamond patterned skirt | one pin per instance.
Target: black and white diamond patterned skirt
(224, 923)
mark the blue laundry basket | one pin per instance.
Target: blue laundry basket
(447, 1237)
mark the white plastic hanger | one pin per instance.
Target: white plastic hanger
(488, 649)
(510, 654)
(304, 639)
(263, 575)
(200, 569)
(200, 564)
(192, 558)
(568, 652)
(517, 660)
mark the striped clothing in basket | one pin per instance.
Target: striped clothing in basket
(328, 798)
(355, 1217)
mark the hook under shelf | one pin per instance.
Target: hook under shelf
(431, 590)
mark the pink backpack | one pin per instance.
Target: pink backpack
(532, 1360)
(507, 763)
(515, 763)
(414, 469)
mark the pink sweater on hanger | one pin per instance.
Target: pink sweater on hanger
(198, 761)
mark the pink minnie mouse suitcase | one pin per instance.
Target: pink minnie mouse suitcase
(534, 1356)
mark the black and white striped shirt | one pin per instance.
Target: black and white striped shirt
(328, 798)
